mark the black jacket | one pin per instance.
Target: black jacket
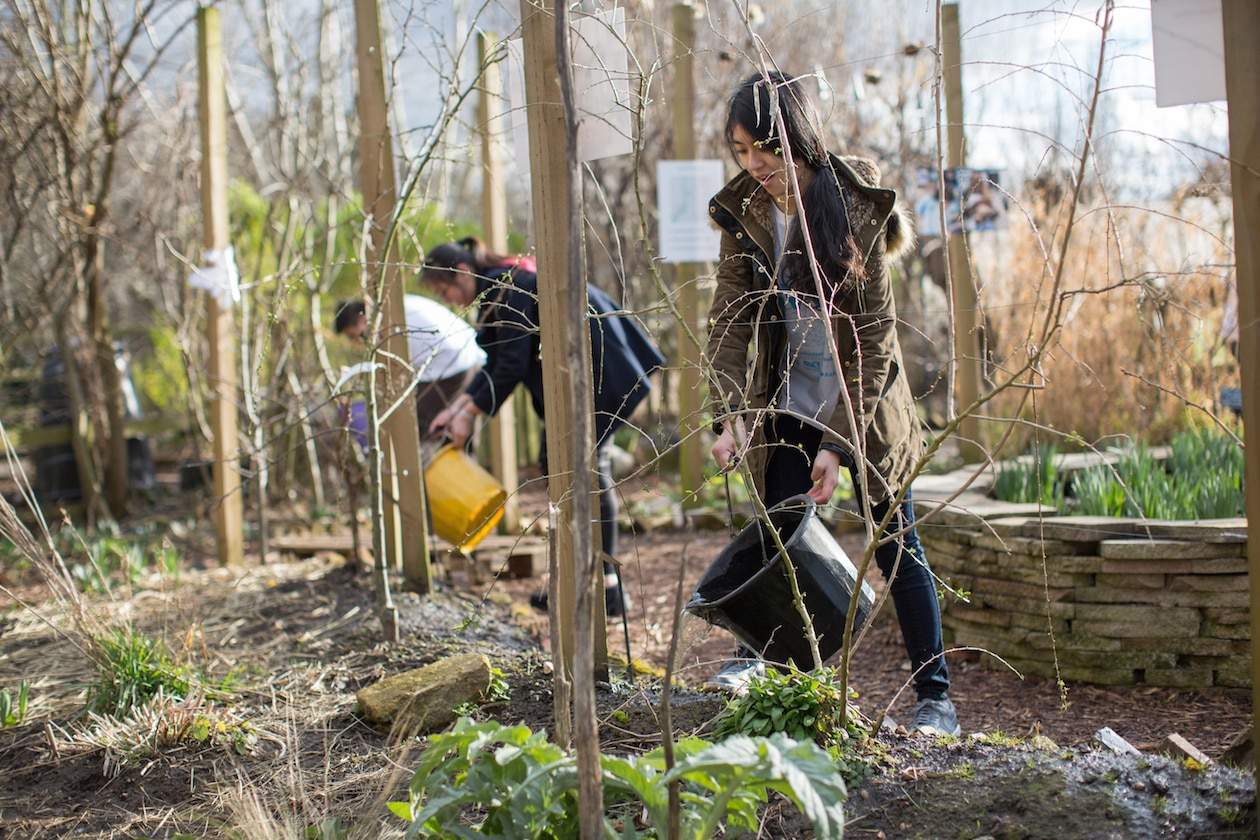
(622, 356)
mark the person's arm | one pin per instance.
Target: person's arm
(509, 334)
(732, 324)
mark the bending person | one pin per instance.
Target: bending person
(768, 327)
(622, 358)
(444, 352)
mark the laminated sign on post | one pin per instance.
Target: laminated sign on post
(1189, 45)
(601, 83)
(683, 190)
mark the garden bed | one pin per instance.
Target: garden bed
(1103, 599)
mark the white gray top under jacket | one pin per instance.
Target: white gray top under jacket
(811, 387)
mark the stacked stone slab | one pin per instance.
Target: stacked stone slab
(1115, 601)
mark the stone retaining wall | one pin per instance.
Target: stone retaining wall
(1160, 603)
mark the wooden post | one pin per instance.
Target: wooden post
(227, 509)
(548, 164)
(494, 228)
(967, 361)
(406, 526)
(687, 361)
(1241, 20)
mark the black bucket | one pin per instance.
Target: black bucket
(746, 591)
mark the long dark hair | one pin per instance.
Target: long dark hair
(752, 108)
(439, 264)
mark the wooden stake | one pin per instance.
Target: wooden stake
(227, 509)
(687, 360)
(549, 183)
(406, 526)
(967, 316)
(1241, 20)
(494, 228)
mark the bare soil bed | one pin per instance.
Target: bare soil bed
(302, 637)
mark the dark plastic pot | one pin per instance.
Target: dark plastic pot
(746, 590)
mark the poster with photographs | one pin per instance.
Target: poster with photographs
(973, 198)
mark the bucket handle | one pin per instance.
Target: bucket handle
(793, 503)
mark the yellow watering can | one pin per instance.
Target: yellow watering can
(465, 500)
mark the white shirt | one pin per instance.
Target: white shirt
(442, 344)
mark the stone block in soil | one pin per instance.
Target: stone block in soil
(1157, 549)
(1071, 673)
(1162, 598)
(1234, 676)
(1226, 616)
(1031, 546)
(1215, 566)
(1184, 619)
(1210, 583)
(1147, 581)
(1038, 623)
(1031, 591)
(1128, 630)
(958, 544)
(1214, 630)
(1076, 640)
(425, 698)
(1184, 677)
(1028, 606)
(1085, 529)
(1118, 659)
(1191, 646)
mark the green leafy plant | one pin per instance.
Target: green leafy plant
(1202, 479)
(500, 690)
(1096, 492)
(131, 670)
(163, 724)
(1031, 479)
(490, 780)
(803, 706)
(109, 558)
(518, 776)
(13, 707)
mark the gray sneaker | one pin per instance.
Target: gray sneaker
(736, 674)
(935, 717)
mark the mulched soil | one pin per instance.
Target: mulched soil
(306, 636)
(987, 699)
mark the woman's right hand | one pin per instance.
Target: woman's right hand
(726, 450)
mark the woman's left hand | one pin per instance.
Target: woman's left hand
(825, 475)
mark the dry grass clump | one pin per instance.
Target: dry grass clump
(1145, 299)
(161, 727)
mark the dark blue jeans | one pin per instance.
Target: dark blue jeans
(793, 447)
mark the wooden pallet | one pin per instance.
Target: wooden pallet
(521, 556)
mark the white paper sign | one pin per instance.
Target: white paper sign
(1189, 49)
(683, 190)
(601, 83)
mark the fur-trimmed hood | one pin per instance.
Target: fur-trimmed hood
(899, 229)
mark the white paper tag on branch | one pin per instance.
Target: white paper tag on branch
(218, 276)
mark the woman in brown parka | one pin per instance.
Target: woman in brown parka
(774, 360)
